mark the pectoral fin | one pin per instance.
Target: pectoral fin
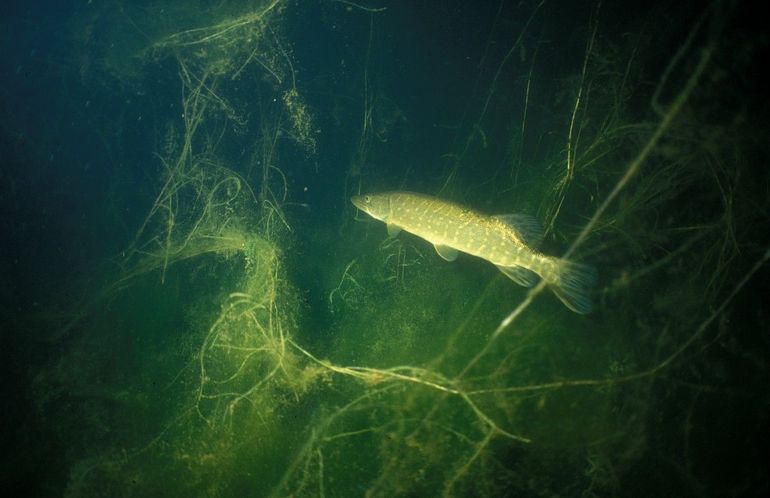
(520, 275)
(393, 230)
(446, 252)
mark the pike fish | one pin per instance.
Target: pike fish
(507, 241)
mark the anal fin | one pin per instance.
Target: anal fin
(520, 275)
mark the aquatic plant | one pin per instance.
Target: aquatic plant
(227, 383)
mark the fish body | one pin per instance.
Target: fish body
(507, 241)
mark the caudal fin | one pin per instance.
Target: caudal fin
(573, 283)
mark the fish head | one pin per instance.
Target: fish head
(375, 205)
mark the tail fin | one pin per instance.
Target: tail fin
(572, 283)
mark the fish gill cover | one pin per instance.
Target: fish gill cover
(251, 335)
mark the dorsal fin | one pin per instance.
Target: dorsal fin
(527, 227)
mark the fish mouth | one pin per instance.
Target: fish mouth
(358, 201)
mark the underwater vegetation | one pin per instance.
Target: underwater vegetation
(232, 326)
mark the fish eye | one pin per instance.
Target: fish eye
(367, 199)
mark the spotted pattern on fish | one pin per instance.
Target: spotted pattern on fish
(505, 241)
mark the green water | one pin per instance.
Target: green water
(195, 308)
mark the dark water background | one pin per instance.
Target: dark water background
(454, 106)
